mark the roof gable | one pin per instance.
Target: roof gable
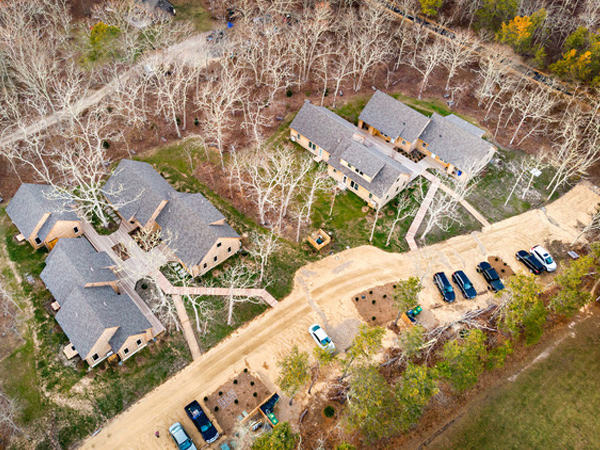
(136, 190)
(29, 205)
(392, 117)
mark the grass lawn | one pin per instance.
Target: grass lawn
(552, 405)
(193, 11)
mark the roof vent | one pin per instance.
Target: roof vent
(358, 138)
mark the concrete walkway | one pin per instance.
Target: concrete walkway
(414, 226)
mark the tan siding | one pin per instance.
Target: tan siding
(131, 345)
(64, 229)
(31, 238)
(304, 141)
(101, 347)
(220, 252)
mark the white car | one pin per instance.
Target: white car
(321, 338)
(542, 255)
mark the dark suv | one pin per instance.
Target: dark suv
(530, 261)
(490, 275)
(203, 424)
(443, 284)
(464, 284)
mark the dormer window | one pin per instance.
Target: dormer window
(38, 240)
(218, 244)
(76, 230)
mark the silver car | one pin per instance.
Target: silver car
(181, 438)
(321, 338)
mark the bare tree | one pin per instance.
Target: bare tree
(218, 100)
(262, 246)
(237, 276)
(427, 60)
(493, 72)
(526, 167)
(534, 107)
(8, 415)
(404, 210)
(458, 53)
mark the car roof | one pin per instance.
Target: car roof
(540, 249)
(320, 333)
(523, 252)
(178, 432)
(461, 274)
(442, 275)
(485, 265)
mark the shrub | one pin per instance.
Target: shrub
(329, 411)
(289, 93)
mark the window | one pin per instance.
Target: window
(370, 195)
(95, 357)
(403, 142)
(424, 144)
(312, 146)
(228, 249)
(354, 185)
(205, 265)
(38, 240)
(298, 135)
(215, 259)
(125, 351)
(397, 188)
(76, 230)
(334, 170)
(219, 244)
(139, 342)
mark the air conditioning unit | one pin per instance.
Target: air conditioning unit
(293, 138)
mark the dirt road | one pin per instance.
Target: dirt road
(322, 293)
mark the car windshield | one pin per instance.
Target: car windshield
(468, 286)
(205, 427)
(185, 444)
(326, 341)
(549, 259)
(449, 289)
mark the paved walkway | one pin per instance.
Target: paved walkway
(414, 226)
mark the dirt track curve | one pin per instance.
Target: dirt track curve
(322, 293)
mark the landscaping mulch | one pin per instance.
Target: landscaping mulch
(503, 269)
(222, 402)
(376, 305)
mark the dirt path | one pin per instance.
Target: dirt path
(329, 284)
(194, 50)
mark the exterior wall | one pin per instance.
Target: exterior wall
(101, 348)
(396, 188)
(221, 252)
(131, 345)
(63, 229)
(362, 192)
(34, 234)
(112, 284)
(351, 167)
(304, 142)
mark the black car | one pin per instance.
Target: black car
(201, 421)
(464, 284)
(530, 261)
(490, 275)
(443, 284)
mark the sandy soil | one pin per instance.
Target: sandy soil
(323, 292)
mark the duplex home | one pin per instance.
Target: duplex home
(41, 217)
(449, 142)
(99, 321)
(392, 145)
(198, 233)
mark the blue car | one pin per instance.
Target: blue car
(443, 284)
(197, 415)
(464, 284)
(181, 438)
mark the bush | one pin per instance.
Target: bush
(289, 93)
(329, 411)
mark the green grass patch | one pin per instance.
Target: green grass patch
(194, 12)
(551, 405)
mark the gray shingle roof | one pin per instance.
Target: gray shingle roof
(87, 312)
(468, 127)
(334, 134)
(29, 205)
(392, 117)
(74, 262)
(356, 155)
(187, 220)
(138, 187)
(454, 145)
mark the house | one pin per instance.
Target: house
(351, 159)
(390, 147)
(41, 217)
(451, 143)
(197, 232)
(99, 321)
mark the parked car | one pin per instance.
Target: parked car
(542, 255)
(321, 338)
(202, 422)
(530, 261)
(181, 438)
(443, 284)
(490, 275)
(464, 284)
